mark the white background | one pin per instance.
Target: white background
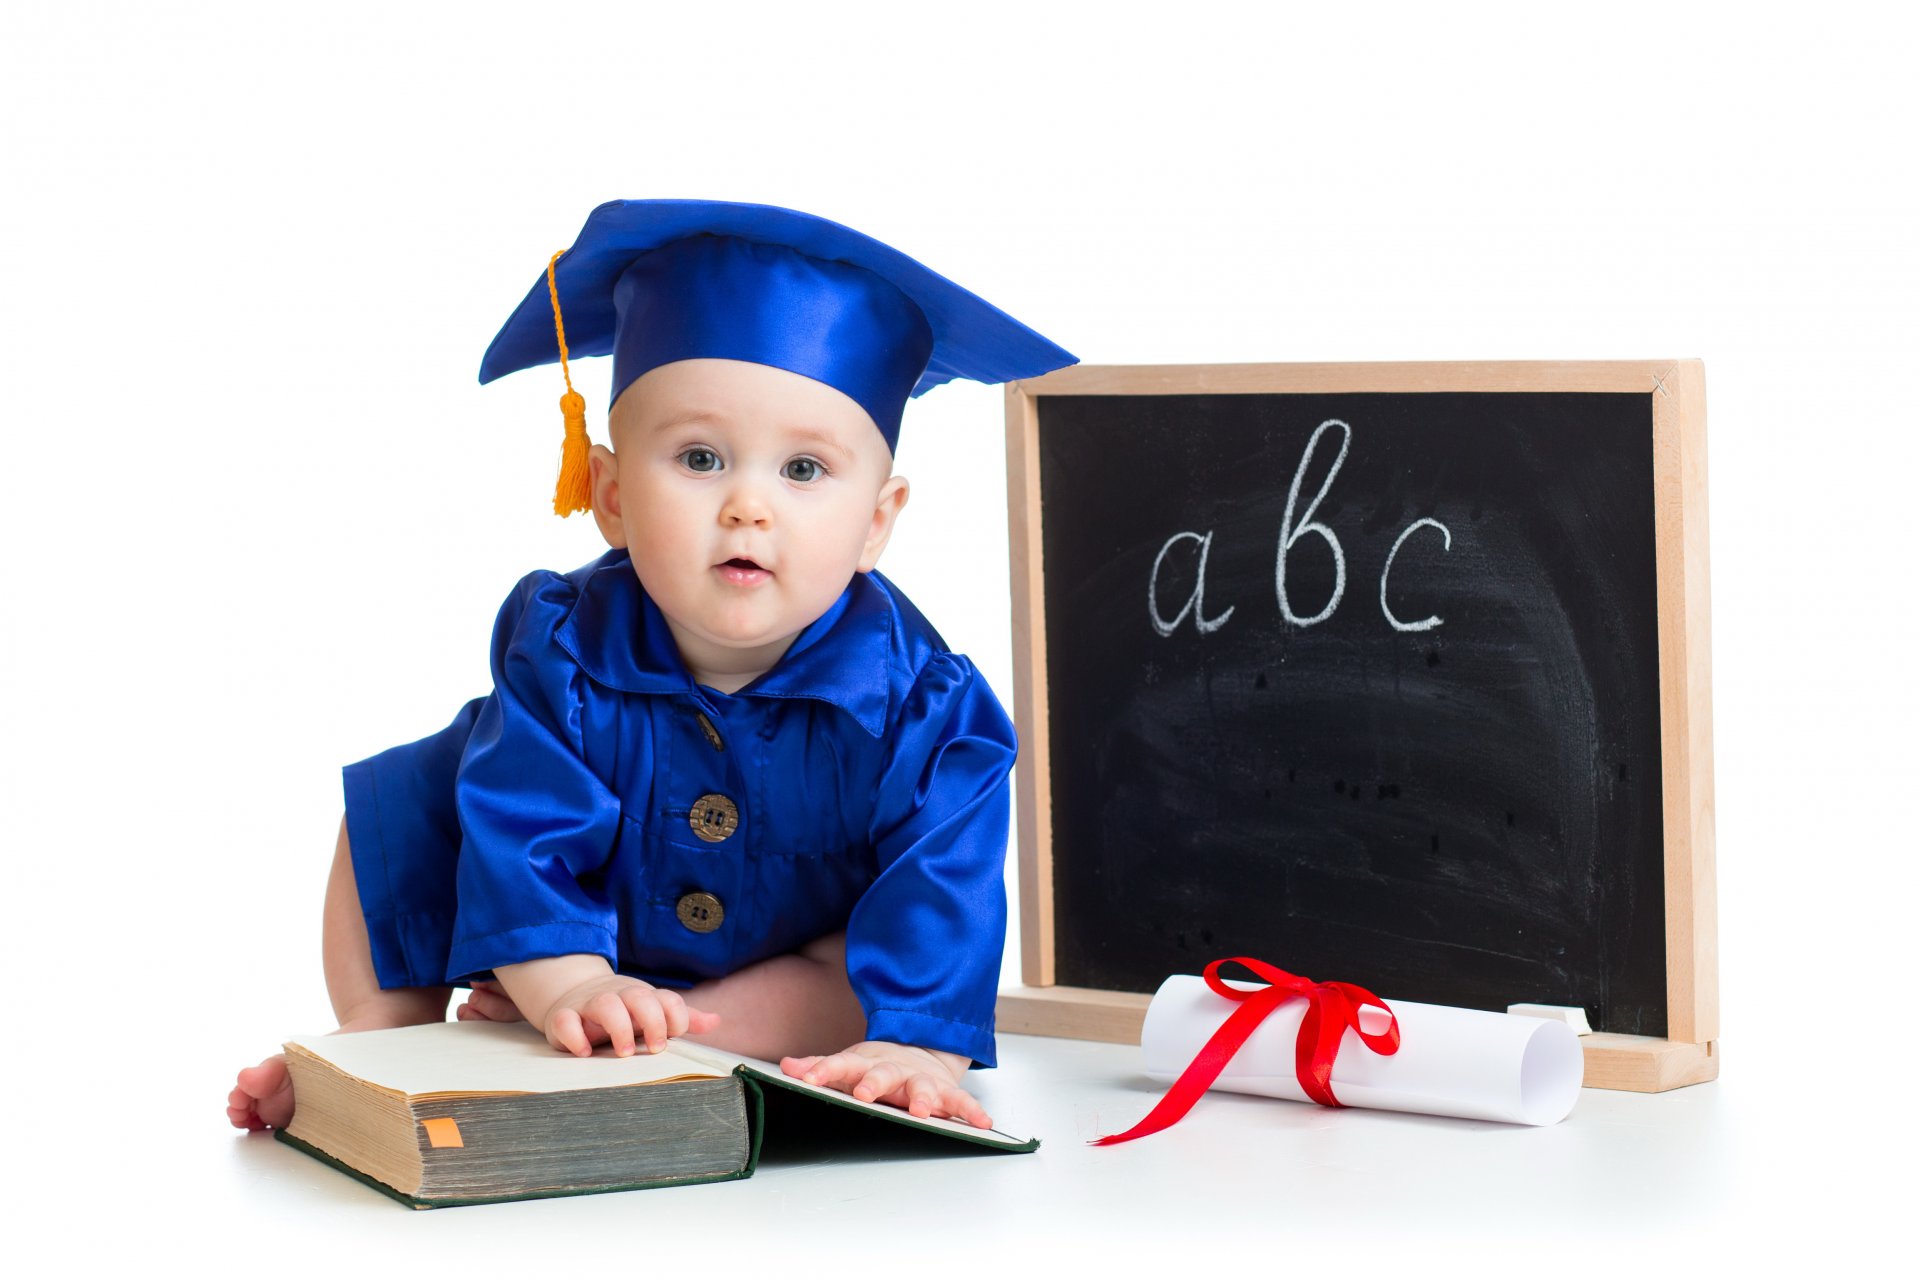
(258, 514)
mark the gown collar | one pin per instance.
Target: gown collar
(620, 639)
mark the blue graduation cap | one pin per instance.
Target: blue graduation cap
(653, 281)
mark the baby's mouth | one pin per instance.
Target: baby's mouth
(742, 571)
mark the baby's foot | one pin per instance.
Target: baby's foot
(262, 1098)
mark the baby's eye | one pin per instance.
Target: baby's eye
(803, 470)
(700, 460)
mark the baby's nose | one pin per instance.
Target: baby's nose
(745, 504)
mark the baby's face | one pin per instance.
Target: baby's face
(748, 497)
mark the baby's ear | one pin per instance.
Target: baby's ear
(886, 509)
(603, 486)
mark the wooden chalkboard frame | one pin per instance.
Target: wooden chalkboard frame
(1676, 390)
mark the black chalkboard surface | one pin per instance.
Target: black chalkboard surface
(1362, 674)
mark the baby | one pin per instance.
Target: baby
(729, 783)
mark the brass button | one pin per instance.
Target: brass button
(700, 912)
(713, 734)
(713, 818)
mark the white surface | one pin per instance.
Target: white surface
(256, 518)
(1466, 1063)
(1730, 1170)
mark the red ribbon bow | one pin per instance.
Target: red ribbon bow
(1332, 1007)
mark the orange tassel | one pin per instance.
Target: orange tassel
(571, 492)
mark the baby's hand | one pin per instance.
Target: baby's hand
(615, 1009)
(488, 1002)
(923, 1082)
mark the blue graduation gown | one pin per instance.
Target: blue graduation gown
(598, 801)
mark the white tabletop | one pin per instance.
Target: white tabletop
(1705, 1173)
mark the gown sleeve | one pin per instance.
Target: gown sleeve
(404, 836)
(537, 823)
(924, 941)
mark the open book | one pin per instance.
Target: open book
(469, 1112)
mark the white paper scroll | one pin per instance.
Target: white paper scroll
(1452, 1062)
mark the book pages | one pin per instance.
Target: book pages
(456, 1059)
(444, 1060)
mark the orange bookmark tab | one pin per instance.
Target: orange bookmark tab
(442, 1132)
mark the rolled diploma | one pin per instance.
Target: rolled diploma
(1451, 1062)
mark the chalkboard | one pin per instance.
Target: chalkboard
(1359, 669)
